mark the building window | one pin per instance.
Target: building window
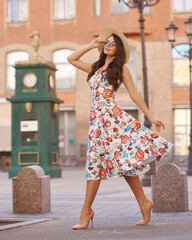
(66, 73)
(67, 137)
(97, 8)
(119, 7)
(147, 10)
(64, 9)
(13, 57)
(17, 11)
(181, 131)
(182, 6)
(180, 67)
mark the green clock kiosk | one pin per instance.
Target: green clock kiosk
(35, 117)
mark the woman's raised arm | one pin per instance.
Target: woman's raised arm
(74, 58)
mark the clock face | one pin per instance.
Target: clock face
(30, 80)
(51, 81)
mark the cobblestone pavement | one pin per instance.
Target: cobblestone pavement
(116, 212)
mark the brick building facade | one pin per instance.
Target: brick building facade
(66, 25)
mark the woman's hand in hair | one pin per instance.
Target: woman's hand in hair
(96, 43)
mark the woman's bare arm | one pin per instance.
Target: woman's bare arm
(137, 99)
(74, 58)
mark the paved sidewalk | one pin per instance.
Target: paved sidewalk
(116, 212)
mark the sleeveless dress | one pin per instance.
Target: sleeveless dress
(118, 144)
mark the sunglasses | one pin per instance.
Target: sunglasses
(110, 44)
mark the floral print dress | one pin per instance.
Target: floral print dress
(118, 145)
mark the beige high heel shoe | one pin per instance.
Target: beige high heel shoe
(143, 222)
(79, 227)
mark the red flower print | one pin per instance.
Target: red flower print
(102, 173)
(90, 168)
(139, 155)
(117, 155)
(135, 124)
(146, 137)
(134, 129)
(119, 146)
(162, 151)
(142, 141)
(103, 73)
(99, 143)
(115, 129)
(101, 118)
(107, 93)
(108, 123)
(124, 139)
(117, 110)
(154, 135)
(93, 148)
(123, 124)
(109, 165)
(165, 143)
(153, 150)
(109, 139)
(158, 157)
(97, 94)
(99, 104)
(102, 159)
(96, 133)
(93, 115)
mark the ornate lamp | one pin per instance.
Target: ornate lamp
(188, 24)
(171, 31)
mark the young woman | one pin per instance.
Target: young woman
(118, 145)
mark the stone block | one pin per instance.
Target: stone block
(170, 189)
(31, 191)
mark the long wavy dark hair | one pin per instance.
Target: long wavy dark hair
(114, 69)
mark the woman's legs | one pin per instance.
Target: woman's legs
(136, 187)
(91, 191)
(144, 203)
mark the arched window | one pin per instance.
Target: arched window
(180, 66)
(13, 57)
(66, 73)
